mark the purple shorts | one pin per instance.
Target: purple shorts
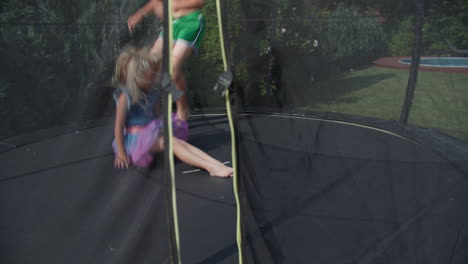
(139, 140)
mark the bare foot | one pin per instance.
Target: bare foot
(221, 171)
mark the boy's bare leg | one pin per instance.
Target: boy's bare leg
(180, 53)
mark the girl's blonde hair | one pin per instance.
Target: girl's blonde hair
(119, 80)
(131, 66)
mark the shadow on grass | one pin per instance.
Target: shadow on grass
(337, 90)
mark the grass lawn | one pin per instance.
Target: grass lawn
(440, 100)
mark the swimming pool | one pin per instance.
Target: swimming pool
(450, 62)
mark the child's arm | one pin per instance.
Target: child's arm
(187, 4)
(151, 5)
(121, 160)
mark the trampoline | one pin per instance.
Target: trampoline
(44, 193)
(337, 182)
(335, 161)
(325, 184)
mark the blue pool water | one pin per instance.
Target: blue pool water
(451, 62)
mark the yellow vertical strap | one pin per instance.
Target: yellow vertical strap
(221, 34)
(233, 138)
(235, 178)
(173, 183)
(170, 143)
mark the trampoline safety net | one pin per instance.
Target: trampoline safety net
(346, 124)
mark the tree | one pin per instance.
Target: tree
(56, 57)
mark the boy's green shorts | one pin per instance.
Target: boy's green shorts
(189, 29)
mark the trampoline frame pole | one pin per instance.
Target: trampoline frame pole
(416, 58)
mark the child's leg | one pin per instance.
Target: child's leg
(158, 146)
(201, 154)
(195, 157)
(180, 54)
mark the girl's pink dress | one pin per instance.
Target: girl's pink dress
(139, 139)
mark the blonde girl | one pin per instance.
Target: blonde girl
(137, 125)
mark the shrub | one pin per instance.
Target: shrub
(353, 39)
(401, 43)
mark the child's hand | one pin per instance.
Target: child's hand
(121, 161)
(133, 20)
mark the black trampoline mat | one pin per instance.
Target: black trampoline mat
(315, 191)
(63, 202)
(320, 191)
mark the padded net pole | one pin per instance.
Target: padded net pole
(221, 12)
(169, 170)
